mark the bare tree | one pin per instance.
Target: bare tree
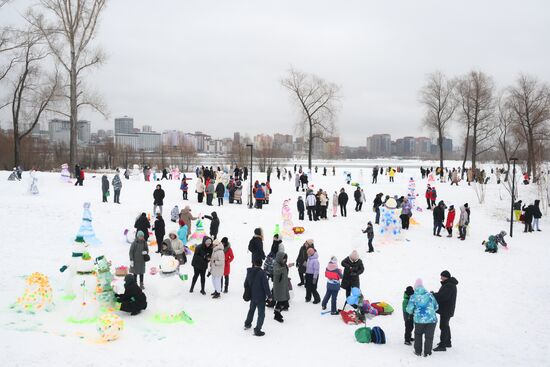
(475, 93)
(529, 100)
(506, 133)
(438, 98)
(188, 155)
(33, 90)
(318, 101)
(69, 27)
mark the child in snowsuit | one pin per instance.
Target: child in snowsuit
(370, 235)
(491, 245)
(333, 275)
(408, 318)
(133, 300)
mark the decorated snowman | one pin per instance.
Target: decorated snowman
(85, 306)
(79, 248)
(105, 293)
(65, 174)
(170, 299)
(390, 224)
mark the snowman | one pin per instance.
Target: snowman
(65, 174)
(85, 306)
(79, 248)
(169, 299)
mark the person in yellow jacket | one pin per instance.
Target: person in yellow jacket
(391, 174)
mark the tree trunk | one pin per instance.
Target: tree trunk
(310, 146)
(465, 151)
(73, 97)
(474, 147)
(440, 152)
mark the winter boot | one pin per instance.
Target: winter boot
(440, 348)
(258, 332)
(278, 316)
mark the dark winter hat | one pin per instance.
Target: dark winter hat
(225, 240)
(409, 291)
(446, 274)
(79, 239)
(466, 205)
(258, 231)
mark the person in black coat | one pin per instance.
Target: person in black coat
(158, 196)
(160, 230)
(301, 261)
(133, 300)
(353, 268)
(201, 259)
(537, 214)
(439, 217)
(142, 224)
(104, 187)
(357, 197)
(376, 204)
(528, 217)
(301, 208)
(256, 281)
(245, 173)
(256, 245)
(342, 202)
(446, 299)
(164, 174)
(214, 224)
(220, 192)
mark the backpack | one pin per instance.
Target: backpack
(363, 334)
(378, 336)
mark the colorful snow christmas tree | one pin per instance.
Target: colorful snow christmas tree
(105, 293)
(199, 230)
(86, 230)
(84, 307)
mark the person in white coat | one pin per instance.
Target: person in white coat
(217, 265)
(177, 247)
(199, 189)
(311, 201)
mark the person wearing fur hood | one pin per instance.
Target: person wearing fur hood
(217, 265)
(177, 246)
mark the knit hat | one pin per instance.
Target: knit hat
(409, 291)
(225, 240)
(418, 284)
(446, 274)
(466, 205)
(310, 251)
(333, 260)
(140, 235)
(309, 242)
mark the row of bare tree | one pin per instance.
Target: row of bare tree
(511, 120)
(43, 66)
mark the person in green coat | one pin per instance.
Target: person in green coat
(408, 318)
(138, 250)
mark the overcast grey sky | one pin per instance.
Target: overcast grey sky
(215, 66)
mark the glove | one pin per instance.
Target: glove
(144, 252)
(131, 263)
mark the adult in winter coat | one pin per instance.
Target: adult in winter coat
(187, 218)
(312, 276)
(311, 202)
(357, 197)
(142, 224)
(376, 204)
(229, 257)
(160, 230)
(446, 298)
(353, 268)
(450, 220)
(528, 217)
(537, 214)
(301, 208)
(323, 199)
(297, 182)
(133, 300)
(439, 217)
(408, 318)
(220, 192)
(256, 282)
(370, 235)
(517, 210)
(105, 187)
(259, 195)
(256, 245)
(200, 261)
(237, 196)
(281, 291)
(210, 189)
(217, 265)
(433, 196)
(158, 196)
(184, 187)
(333, 275)
(406, 213)
(463, 221)
(214, 224)
(77, 175)
(117, 186)
(301, 260)
(342, 202)
(423, 306)
(138, 250)
(199, 189)
(183, 232)
(428, 196)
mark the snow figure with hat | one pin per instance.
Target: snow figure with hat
(136, 172)
(288, 225)
(389, 220)
(86, 230)
(33, 187)
(175, 173)
(170, 299)
(65, 174)
(105, 293)
(37, 296)
(411, 194)
(79, 248)
(84, 307)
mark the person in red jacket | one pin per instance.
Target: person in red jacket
(429, 197)
(450, 220)
(228, 259)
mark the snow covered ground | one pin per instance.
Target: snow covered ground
(502, 315)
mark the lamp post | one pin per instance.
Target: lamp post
(250, 191)
(513, 196)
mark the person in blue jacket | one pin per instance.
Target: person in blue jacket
(423, 306)
(256, 281)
